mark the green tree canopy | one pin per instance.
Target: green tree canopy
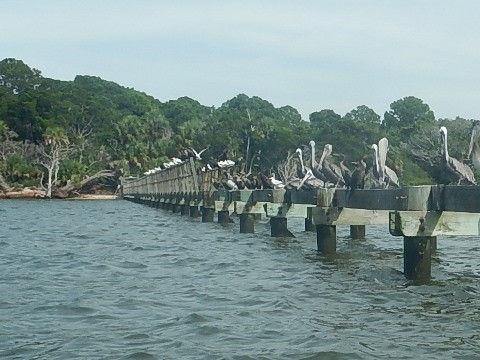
(363, 114)
(406, 115)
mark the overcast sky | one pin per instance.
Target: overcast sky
(311, 55)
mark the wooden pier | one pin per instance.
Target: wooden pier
(417, 213)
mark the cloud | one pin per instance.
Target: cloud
(310, 54)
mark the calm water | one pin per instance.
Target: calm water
(117, 280)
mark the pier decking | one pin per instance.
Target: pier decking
(417, 213)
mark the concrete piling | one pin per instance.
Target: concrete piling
(223, 217)
(417, 260)
(184, 209)
(357, 232)
(194, 212)
(309, 226)
(208, 214)
(327, 239)
(247, 223)
(278, 227)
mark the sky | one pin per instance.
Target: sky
(311, 55)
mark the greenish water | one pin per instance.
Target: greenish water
(117, 280)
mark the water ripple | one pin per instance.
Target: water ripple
(133, 282)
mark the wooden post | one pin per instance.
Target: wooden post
(278, 227)
(357, 232)
(417, 260)
(194, 175)
(247, 223)
(327, 239)
(208, 214)
(309, 226)
(433, 244)
(175, 208)
(184, 209)
(223, 217)
(194, 212)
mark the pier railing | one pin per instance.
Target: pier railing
(418, 213)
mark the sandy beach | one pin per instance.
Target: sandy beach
(96, 197)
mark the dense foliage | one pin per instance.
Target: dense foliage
(99, 125)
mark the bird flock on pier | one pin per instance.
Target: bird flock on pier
(305, 172)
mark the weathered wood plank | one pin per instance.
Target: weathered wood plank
(286, 210)
(347, 216)
(242, 195)
(320, 197)
(462, 198)
(434, 223)
(276, 196)
(407, 198)
(194, 176)
(242, 207)
(224, 205)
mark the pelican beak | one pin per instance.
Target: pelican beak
(475, 133)
(324, 154)
(305, 178)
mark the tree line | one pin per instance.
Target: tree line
(62, 133)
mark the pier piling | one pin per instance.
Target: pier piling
(184, 209)
(223, 217)
(247, 223)
(417, 263)
(309, 226)
(357, 232)
(194, 212)
(327, 239)
(278, 227)
(208, 214)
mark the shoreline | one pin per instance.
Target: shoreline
(40, 195)
(95, 197)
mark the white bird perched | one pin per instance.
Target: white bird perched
(454, 169)
(474, 149)
(225, 163)
(277, 184)
(227, 182)
(383, 174)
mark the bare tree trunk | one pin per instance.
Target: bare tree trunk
(70, 188)
(4, 185)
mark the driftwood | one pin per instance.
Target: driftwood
(3, 185)
(71, 189)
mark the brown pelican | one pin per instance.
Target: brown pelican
(310, 181)
(277, 184)
(303, 170)
(227, 182)
(331, 171)
(454, 169)
(474, 149)
(314, 169)
(383, 174)
(264, 181)
(346, 172)
(239, 180)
